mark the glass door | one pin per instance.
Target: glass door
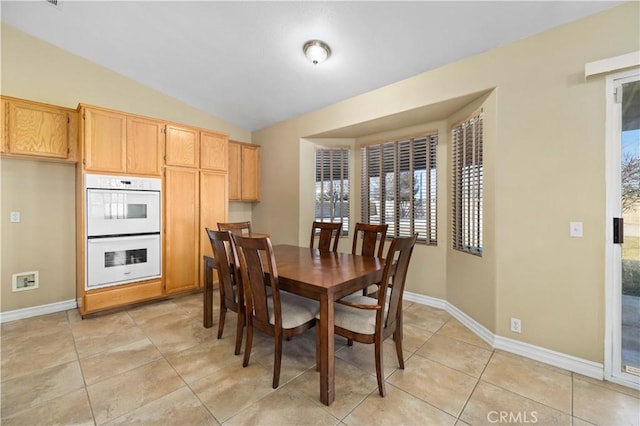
(625, 226)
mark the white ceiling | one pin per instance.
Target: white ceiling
(243, 61)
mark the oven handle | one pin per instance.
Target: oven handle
(116, 238)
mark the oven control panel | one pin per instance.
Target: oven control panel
(122, 182)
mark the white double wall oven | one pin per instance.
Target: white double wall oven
(122, 229)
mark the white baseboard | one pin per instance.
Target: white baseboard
(37, 310)
(548, 356)
(538, 353)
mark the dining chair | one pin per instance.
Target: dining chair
(372, 235)
(328, 232)
(237, 228)
(278, 313)
(367, 320)
(229, 281)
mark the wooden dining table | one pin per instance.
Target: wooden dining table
(322, 276)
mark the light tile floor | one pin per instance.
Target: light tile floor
(156, 364)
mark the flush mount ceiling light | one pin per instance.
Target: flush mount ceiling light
(316, 51)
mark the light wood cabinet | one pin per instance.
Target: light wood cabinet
(213, 209)
(235, 163)
(122, 295)
(203, 155)
(114, 142)
(250, 173)
(183, 198)
(194, 200)
(34, 129)
(182, 146)
(104, 138)
(181, 242)
(193, 164)
(244, 172)
(213, 151)
(145, 146)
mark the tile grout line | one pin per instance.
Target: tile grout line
(464, 406)
(84, 380)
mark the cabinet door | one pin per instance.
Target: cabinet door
(181, 253)
(213, 151)
(105, 135)
(250, 173)
(182, 146)
(38, 129)
(213, 209)
(235, 176)
(145, 146)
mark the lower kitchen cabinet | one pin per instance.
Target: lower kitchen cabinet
(181, 222)
(123, 295)
(213, 209)
(194, 200)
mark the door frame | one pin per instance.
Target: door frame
(613, 252)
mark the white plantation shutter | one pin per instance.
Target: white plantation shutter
(399, 186)
(467, 180)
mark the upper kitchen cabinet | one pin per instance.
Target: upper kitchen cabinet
(145, 146)
(196, 148)
(40, 130)
(213, 151)
(182, 146)
(115, 142)
(104, 138)
(244, 172)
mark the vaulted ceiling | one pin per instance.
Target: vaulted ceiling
(243, 61)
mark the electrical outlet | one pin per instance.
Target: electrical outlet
(516, 325)
(14, 217)
(575, 229)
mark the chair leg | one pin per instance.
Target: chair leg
(277, 360)
(247, 347)
(223, 311)
(239, 329)
(397, 337)
(349, 342)
(317, 330)
(379, 368)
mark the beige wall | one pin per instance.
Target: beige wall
(44, 192)
(43, 241)
(544, 165)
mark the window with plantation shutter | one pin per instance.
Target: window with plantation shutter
(399, 186)
(467, 188)
(332, 186)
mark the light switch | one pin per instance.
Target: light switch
(575, 229)
(14, 217)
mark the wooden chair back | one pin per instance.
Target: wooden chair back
(372, 235)
(394, 276)
(258, 268)
(265, 309)
(354, 322)
(237, 228)
(229, 280)
(328, 235)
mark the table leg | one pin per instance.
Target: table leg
(207, 298)
(327, 351)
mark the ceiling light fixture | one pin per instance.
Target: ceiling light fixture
(316, 51)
